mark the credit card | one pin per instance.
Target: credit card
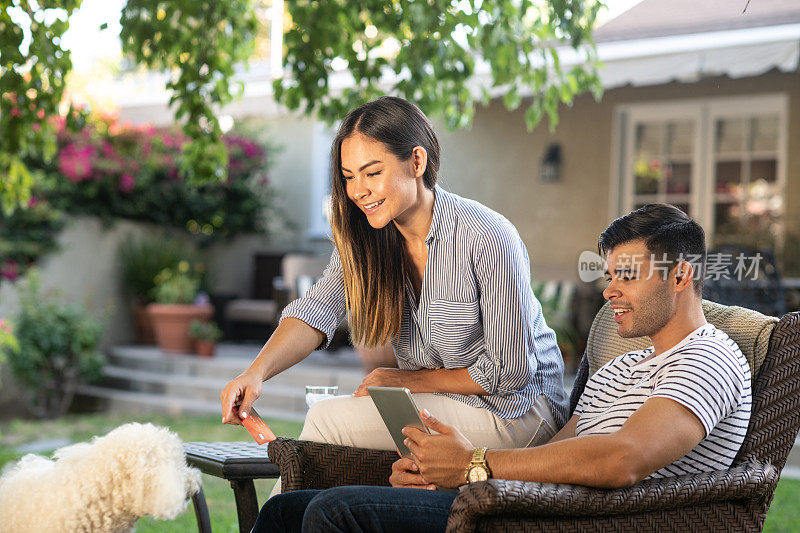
(257, 428)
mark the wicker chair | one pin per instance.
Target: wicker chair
(732, 500)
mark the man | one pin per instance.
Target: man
(693, 380)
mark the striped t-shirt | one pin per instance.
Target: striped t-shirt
(706, 372)
(476, 311)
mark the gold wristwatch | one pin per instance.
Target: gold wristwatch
(478, 469)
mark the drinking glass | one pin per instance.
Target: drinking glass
(315, 393)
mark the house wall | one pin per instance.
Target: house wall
(497, 163)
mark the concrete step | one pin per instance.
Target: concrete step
(142, 378)
(197, 388)
(341, 368)
(143, 402)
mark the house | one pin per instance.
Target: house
(701, 109)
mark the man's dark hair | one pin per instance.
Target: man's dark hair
(668, 233)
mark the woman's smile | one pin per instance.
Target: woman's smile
(372, 207)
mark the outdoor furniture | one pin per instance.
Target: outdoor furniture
(733, 499)
(273, 290)
(238, 462)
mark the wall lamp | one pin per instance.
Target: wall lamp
(551, 164)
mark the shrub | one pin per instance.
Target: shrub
(204, 331)
(57, 350)
(113, 170)
(25, 235)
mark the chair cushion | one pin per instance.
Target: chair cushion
(749, 329)
(257, 311)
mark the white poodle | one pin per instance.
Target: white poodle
(105, 485)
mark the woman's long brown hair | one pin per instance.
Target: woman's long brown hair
(373, 260)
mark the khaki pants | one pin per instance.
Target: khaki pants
(350, 421)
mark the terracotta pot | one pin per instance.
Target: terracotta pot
(171, 324)
(205, 348)
(142, 324)
(372, 358)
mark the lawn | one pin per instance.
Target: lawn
(218, 492)
(784, 515)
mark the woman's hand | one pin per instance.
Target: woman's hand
(390, 377)
(238, 396)
(455, 381)
(405, 474)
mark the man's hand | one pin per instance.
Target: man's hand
(388, 377)
(405, 474)
(442, 458)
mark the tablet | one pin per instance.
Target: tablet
(398, 410)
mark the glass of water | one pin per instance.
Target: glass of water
(315, 393)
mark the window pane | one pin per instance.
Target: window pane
(729, 177)
(678, 176)
(681, 137)
(765, 134)
(727, 216)
(730, 135)
(649, 140)
(764, 169)
(646, 184)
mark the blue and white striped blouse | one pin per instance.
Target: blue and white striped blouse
(476, 311)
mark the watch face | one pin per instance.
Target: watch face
(477, 473)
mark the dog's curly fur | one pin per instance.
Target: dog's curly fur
(106, 485)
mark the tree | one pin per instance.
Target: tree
(32, 83)
(199, 43)
(431, 51)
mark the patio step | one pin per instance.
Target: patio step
(144, 379)
(143, 402)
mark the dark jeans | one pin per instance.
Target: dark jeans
(356, 509)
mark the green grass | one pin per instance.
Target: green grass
(218, 492)
(784, 514)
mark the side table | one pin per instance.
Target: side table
(238, 462)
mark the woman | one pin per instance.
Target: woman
(444, 279)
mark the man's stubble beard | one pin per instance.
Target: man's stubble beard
(651, 314)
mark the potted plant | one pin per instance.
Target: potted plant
(141, 260)
(205, 335)
(176, 306)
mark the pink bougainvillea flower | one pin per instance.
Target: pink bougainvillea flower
(9, 270)
(15, 112)
(108, 149)
(33, 202)
(126, 183)
(75, 162)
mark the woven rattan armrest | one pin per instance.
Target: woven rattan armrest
(313, 465)
(748, 481)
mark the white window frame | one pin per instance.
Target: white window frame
(321, 139)
(703, 112)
